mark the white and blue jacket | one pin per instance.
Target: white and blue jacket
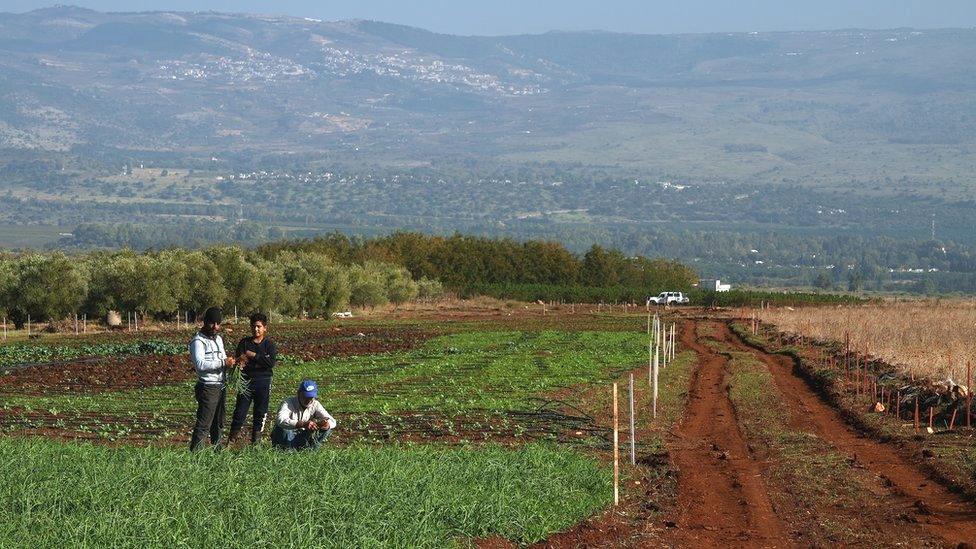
(207, 355)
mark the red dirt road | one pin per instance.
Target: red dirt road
(722, 501)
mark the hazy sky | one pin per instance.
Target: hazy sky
(531, 16)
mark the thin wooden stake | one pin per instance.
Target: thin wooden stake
(660, 344)
(952, 422)
(847, 351)
(931, 416)
(657, 361)
(969, 394)
(674, 341)
(916, 414)
(616, 451)
(664, 348)
(633, 432)
(84, 323)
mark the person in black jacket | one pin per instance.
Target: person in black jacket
(259, 355)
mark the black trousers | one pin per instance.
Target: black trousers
(260, 395)
(211, 405)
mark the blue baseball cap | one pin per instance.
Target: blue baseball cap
(308, 388)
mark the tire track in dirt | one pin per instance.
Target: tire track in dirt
(722, 501)
(941, 512)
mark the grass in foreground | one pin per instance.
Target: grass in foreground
(415, 496)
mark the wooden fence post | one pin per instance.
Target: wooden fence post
(650, 362)
(657, 361)
(674, 341)
(969, 394)
(664, 347)
(916, 414)
(659, 351)
(633, 432)
(616, 451)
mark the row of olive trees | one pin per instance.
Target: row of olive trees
(52, 286)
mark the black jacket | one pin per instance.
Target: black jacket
(262, 365)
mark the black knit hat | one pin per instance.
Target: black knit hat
(213, 315)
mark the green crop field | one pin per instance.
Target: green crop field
(482, 383)
(420, 496)
(448, 433)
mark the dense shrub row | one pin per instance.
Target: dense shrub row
(468, 261)
(51, 286)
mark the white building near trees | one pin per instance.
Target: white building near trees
(713, 285)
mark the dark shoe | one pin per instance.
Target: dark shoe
(233, 436)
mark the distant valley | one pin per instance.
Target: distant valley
(141, 118)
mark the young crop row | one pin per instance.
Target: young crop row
(469, 382)
(30, 353)
(393, 496)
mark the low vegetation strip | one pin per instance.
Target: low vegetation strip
(418, 496)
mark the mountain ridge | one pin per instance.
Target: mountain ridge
(735, 106)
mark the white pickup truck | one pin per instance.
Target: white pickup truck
(668, 298)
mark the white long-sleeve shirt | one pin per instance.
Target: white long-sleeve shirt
(291, 414)
(208, 356)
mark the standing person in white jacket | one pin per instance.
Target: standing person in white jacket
(211, 363)
(302, 422)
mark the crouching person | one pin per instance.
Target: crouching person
(302, 422)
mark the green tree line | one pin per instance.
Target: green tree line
(461, 261)
(159, 284)
(321, 275)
